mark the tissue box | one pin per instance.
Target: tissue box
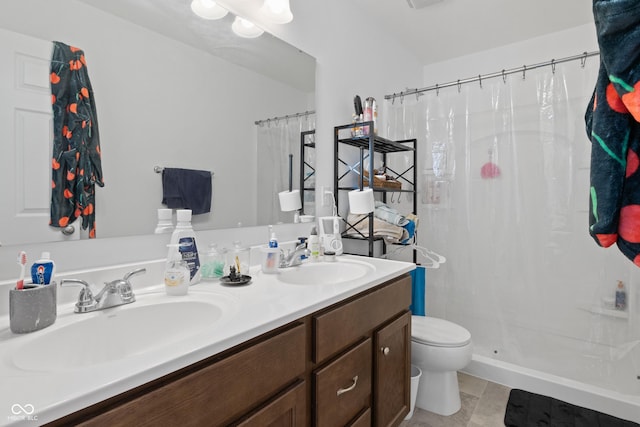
(32, 308)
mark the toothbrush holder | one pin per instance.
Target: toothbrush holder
(32, 308)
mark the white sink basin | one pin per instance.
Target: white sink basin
(89, 339)
(326, 273)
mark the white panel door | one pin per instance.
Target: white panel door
(26, 126)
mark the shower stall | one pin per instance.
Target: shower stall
(504, 195)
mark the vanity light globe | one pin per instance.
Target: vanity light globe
(208, 9)
(277, 11)
(245, 28)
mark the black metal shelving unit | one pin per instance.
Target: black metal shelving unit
(369, 146)
(307, 141)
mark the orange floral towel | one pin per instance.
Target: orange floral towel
(76, 163)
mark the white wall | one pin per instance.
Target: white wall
(161, 102)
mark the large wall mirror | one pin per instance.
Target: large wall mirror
(172, 90)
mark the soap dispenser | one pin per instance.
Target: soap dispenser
(176, 273)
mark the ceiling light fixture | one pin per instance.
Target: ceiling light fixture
(245, 28)
(208, 9)
(277, 11)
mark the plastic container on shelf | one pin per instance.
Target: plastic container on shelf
(213, 262)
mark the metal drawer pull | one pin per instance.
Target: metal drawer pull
(351, 387)
(385, 350)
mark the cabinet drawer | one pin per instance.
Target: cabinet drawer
(339, 327)
(343, 387)
(218, 393)
(363, 420)
(285, 410)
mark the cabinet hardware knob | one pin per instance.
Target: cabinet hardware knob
(351, 387)
(385, 350)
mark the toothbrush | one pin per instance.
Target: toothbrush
(22, 260)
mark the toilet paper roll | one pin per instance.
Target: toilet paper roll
(361, 202)
(290, 200)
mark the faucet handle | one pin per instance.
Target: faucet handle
(125, 288)
(86, 301)
(134, 272)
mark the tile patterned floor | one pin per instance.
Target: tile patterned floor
(483, 405)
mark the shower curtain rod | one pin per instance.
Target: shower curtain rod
(287, 117)
(504, 73)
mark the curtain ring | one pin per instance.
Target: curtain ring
(437, 90)
(504, 76)
(480, 80)
(583, 60)
(553, 66)
(401, 98)
(459, 85)
(524, 72)
(393, 98)
(417, 95)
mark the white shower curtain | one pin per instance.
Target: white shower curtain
(504, 196)
(276, 140)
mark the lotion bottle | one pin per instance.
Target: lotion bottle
(314, 244)
(185, 238)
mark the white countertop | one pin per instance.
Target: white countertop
(41, 396)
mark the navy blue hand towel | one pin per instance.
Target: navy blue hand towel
(187, 189)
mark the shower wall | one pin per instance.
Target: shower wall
(522, 273)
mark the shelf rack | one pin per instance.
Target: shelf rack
(369, 146)
(307, 141)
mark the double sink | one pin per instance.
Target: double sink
(157, 322)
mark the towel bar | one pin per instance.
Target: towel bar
(159, 169)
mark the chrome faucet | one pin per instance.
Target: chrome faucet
(292, 258)
(114, 293)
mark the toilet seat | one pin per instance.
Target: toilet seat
(438, 332)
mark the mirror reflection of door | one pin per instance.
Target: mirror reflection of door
(26, 120)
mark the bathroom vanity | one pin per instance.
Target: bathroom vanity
(294, 354)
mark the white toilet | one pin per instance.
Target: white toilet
(439, 348)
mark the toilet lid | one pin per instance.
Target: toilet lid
(438, 332)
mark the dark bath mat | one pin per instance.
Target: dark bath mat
(526, 409)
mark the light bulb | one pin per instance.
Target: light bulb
(245, 28)
(208, 9)
(277, 11)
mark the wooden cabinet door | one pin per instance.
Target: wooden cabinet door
(392, 372)
(342, 388)
(289, 409)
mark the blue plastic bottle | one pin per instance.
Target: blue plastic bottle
(621, 296)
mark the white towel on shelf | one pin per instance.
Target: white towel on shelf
(390, 232)
(389, 215)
